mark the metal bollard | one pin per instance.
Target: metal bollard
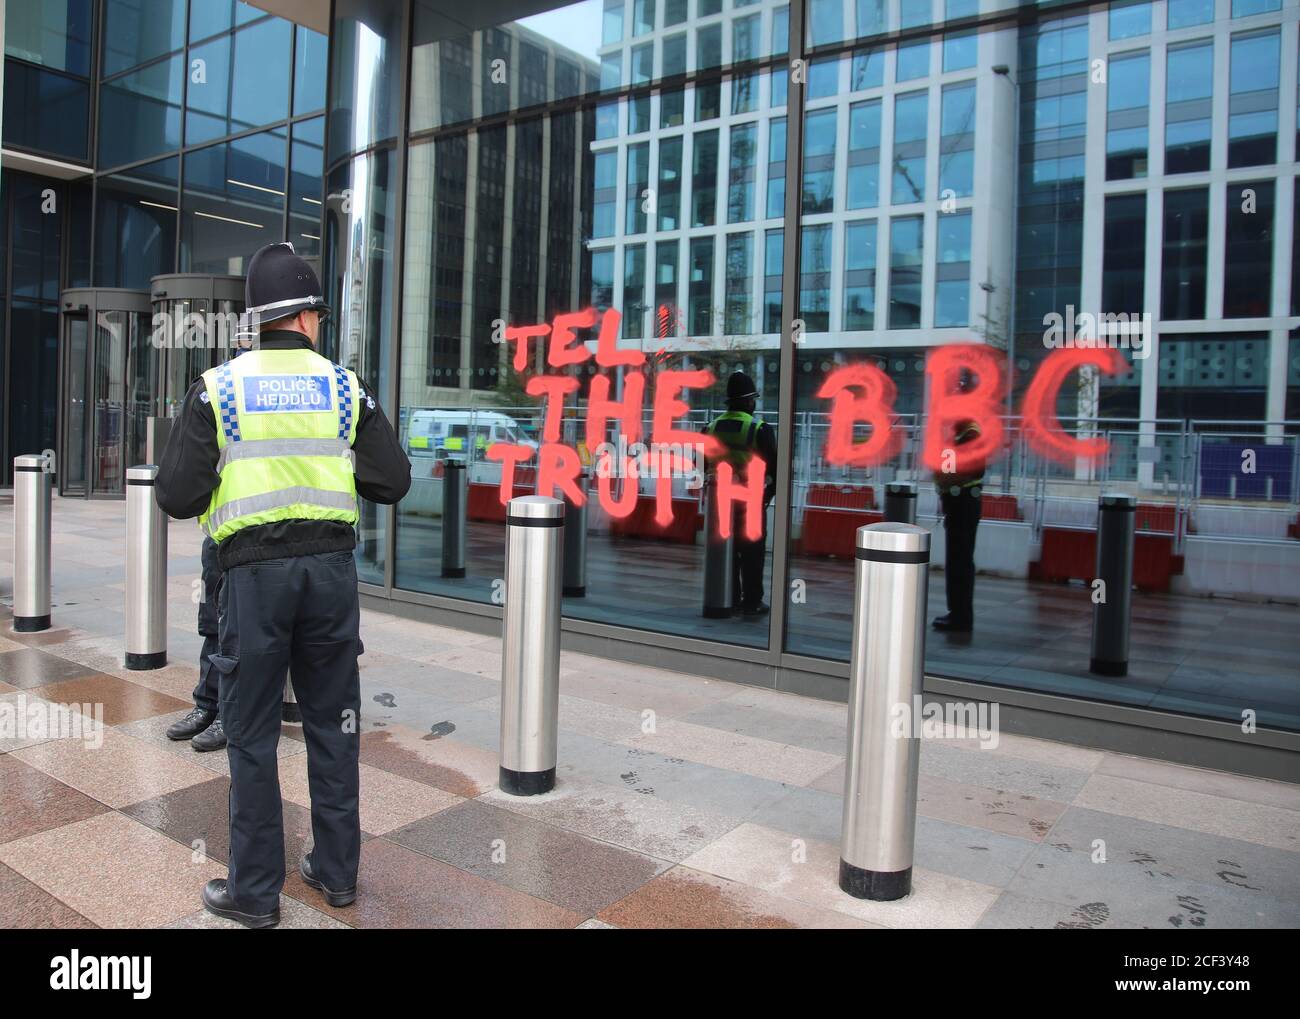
(530, 645)
(454, 506)
(719, 559)
(146, 572)
(156, 433)
(575, 542)
(1116, 523)
(32, 489)
(289, 710)
(886, 670)
(900, 502)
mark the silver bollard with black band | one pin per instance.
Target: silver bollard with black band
(900, 502)
(885, 676)
(1116, 539)
(575, 541)
(719, 558)
(146, 572)
(32, 491)
(455, 505)
(530, 644)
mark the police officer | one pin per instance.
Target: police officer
(271, 451)
(744, 435)
(959, 496)
(202, 726)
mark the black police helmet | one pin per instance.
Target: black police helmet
(280, 284)
(741, 387)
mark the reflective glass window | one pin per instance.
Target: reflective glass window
(1248, 250)
(140, 113)
(1252, 105)
(233, 202)
(136, 31)
(1188, 99)
(906, 248)
(244, 84)
(1183, 256)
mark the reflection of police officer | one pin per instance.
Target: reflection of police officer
(744, 435)
(959, 495)
(271, 451)
(202, 726)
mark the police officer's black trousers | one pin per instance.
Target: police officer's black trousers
(206, 693)
(302, 612)
(961, 517)
(751, 558)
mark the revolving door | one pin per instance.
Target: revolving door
(127, 356)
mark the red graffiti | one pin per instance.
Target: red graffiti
(1042, 427)
(952, 406)
(967, 383)
(860, 393)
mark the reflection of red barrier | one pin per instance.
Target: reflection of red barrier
(1071, 554)
(1157, 517)
(1293, 529)
(855, 497)
(484, 501)
(833, 532)
(640, 523)
(999, 507)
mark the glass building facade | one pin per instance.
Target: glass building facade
(141, 138)
(803, 191)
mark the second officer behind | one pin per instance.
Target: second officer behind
(744, 435)
(271, 451)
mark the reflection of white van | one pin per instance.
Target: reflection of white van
(429, 431)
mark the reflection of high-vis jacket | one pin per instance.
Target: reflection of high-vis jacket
(967, 431)
(456, 443)
(737, 431)
(286, 421)
(744, 435)
(299, 506)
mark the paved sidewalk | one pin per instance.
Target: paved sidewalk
(682, 801)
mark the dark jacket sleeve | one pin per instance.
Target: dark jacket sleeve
(383, 471)
(187, 474)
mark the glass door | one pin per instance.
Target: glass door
(108, 381)
(73, 441)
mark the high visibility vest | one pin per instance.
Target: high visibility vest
(286, 420)
(953, 484)
(737, 431)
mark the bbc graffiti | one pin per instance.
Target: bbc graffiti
(966, 382)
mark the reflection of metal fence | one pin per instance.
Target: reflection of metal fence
(1223, 479)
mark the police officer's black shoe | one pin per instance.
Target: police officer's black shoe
(211, 738)
(217, 900)
(336, 899)
(754, 611)
(191, 725)
(947, 624)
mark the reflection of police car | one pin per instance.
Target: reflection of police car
(452, 434)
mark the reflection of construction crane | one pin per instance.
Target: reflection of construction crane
(901, 170)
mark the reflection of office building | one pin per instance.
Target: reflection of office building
(955, 182)
(496, 213)
(142, 138)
